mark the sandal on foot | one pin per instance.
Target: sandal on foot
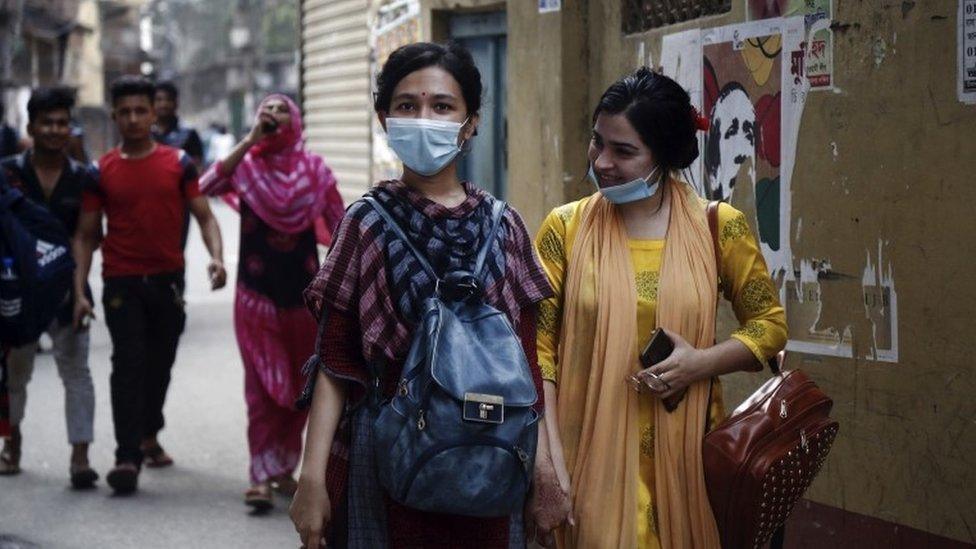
(124, 478)
(9, 462)
(156, 457)
(83, 478)
(285, 485)
(259, 498)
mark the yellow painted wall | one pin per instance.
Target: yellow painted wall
(889, 157)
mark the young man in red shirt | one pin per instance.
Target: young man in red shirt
(143, 190)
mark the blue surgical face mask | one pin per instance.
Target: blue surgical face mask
(423, 145)
(635, 190)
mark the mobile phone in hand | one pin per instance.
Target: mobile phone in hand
(658, 348)
(269, 126)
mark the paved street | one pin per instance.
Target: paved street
(196, 503)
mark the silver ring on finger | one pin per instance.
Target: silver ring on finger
(659, 379)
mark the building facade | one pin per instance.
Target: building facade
(853, 175)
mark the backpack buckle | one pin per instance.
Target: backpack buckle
(459, 286)
(484, 408)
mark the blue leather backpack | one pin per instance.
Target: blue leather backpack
(459, 435)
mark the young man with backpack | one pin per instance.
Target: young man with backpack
(144, 190)
(49, 178)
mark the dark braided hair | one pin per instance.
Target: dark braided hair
(661, 112)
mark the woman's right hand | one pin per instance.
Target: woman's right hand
(311, 512)
(259, 128)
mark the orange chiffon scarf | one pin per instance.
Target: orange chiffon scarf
(597, 409)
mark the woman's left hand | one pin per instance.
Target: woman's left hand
(684, 366)
(549, 506)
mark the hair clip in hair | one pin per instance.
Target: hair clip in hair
(701, 122)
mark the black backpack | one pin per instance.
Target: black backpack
(36, 267)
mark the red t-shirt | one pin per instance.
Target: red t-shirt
(144, 201)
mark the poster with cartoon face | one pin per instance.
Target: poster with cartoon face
(742, 98)
(753, 90)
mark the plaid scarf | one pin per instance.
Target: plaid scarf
(370, 275)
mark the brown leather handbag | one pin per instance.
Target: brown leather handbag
(760, 461)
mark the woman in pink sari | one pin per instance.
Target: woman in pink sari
(287, 199)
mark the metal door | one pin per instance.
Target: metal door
(484, 34)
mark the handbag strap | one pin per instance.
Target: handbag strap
(775, 363)
(712, 212)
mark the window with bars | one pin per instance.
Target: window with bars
(642, 15)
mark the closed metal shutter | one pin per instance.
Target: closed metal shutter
(335, 89)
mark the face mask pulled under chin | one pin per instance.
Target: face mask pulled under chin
(424, 146)
(632, 191)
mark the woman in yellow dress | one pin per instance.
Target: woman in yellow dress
(636, 255)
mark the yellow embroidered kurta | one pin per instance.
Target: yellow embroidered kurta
(744, 281)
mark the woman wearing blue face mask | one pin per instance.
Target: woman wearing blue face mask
(368, 298)
(637, 255)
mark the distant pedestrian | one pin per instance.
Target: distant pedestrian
(10, 142)
(49, 177)
(4, 395)
(221, 144)
(144, 190)
(76, 145)
(169, 130)
(282, 191)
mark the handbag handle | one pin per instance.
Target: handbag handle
(775, 363)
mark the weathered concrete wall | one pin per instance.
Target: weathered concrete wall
(883, 175)
(435, 14)
(885, 167)
(548, 120)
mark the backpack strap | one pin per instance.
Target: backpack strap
(398, 231)
(775, 363)
(497, 212)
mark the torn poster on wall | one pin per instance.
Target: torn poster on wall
(816, 285)
(769, 9)
(549, 6)
(967, 51)
(753, 92)
(880, 307)
(803, 299)
(820, 49)
(752, 83)
(681, 59)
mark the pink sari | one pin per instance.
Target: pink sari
(283, 193)
(287, 186)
